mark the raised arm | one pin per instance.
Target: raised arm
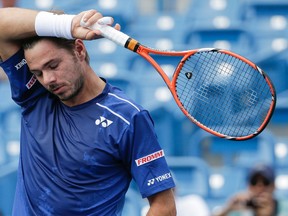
(19, 23)
(15, 24)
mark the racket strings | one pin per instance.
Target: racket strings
(223, 93)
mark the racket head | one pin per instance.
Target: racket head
(224, 93)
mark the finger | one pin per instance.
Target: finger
(117, 27)
(87, 14)
(89, 19)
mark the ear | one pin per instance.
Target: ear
(80, 49)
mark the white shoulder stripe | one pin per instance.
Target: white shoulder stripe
(114, 113)
(125, 101)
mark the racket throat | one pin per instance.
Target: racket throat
(132, 44)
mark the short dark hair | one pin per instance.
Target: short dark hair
(262, 170)
(60, 42)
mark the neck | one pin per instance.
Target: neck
(92, 87)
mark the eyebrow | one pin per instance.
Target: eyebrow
(44, 66)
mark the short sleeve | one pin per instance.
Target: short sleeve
(24, 85)
(148, 165)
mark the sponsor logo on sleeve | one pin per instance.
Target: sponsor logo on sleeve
(149, 158)
(159, 179)
(31, 82)
(20, 64)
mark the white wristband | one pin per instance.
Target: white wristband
(54, 25)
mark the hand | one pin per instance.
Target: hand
(239, 201)
(265, 204)
(90, 17)
(236, 203)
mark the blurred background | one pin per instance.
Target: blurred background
(202, 164)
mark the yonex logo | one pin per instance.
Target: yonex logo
(20, 64)
(158, 179)
(150, 182)
(103, 121)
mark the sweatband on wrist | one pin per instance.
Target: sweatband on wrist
(54, 25)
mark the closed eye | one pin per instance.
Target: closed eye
(53, 66)
(37, 73)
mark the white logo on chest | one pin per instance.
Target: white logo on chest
(103, 122)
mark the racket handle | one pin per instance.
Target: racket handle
(103, 25)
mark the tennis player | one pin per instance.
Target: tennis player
(82, 139)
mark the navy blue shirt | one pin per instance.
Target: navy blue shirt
(80, 160)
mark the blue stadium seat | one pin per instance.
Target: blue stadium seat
(218, 151)
(267, 16)
(122, 13)
(164, 123)
(6, 100)
(10, 132)
(191, 175)
(281, 183)
(173, 128)
(280, 116)
(237, 40)
(211, 13)
(106, 52)
(183, 130)
(9, 125)
(263, 154)
(151, 89)
(8, 178)
(268, 21)
(125, 84)
(276, 67)
(143, 68)
(169, 26)
(133, 203)
(226, 180)
(281, 152)
(3, 153)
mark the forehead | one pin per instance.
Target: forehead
(43, 51)
(258, 176)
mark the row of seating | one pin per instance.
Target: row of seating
(178, 135)
(193, 175)
(215, 185)
(186, 147)
(255, 29)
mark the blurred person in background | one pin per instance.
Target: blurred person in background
(258, 199)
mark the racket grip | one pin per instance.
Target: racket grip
(103, 25)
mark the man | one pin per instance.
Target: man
(259, 199)
(82, 140)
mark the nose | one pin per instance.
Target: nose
(48, 77)
(260, 187)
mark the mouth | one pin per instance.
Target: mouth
(57, 90)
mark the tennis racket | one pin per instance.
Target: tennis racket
(220, 91)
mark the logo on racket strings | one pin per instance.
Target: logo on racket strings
(188, 75)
